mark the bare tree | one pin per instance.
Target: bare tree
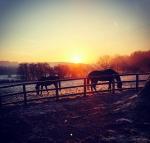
(23, 71)
(62, 70)
(104, 62)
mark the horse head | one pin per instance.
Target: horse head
(118, 79)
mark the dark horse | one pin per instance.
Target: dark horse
(104, 75)
(45, 81)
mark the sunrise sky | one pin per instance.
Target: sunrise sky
(72, 30)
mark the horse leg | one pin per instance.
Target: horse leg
(41, 89)
(56, 87)
(94, 82)
(109, 87)
(46, 88)
(94, 86)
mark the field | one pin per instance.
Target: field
(100, 117)
(103, 118)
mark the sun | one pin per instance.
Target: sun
(76, 59)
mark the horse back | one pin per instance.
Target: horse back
(102, 75)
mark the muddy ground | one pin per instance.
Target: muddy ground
(99, 118)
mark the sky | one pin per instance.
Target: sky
(72, 30)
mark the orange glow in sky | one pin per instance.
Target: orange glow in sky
(72, 31)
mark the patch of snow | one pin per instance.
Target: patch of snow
(133, 97)
(141, 140)
(124, 120)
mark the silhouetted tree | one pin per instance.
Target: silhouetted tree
(23, 71)
(138, 61)
(42, 70)
(34, 71)
(104, 62)
(62, 70)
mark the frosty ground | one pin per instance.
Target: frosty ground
(102, 117)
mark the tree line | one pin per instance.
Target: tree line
(138, 61)
(34, 71)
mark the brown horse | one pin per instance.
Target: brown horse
(45, 81)
(104, 75)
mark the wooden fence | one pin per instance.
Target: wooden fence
(25, 92)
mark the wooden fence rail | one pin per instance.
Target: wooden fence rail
(57, 96)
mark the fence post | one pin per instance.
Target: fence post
(57, 94)
(113, 86)
(25, 94)
(137, 82)
(84, 87)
